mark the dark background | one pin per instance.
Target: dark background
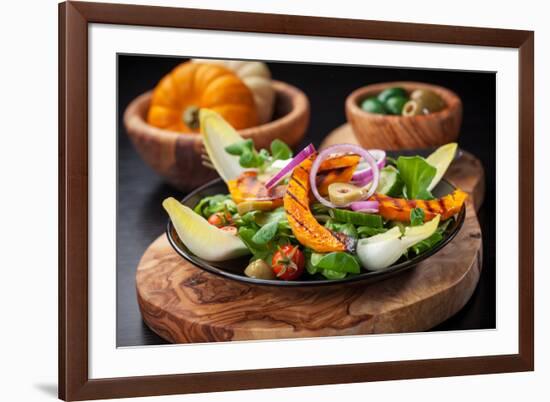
(141, 219)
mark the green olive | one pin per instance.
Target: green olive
(429, 99)
(259, 269)
(395, 104)
(373, 105)
(341, 194)
(390, 93)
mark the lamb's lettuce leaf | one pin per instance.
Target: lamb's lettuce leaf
(279, 150)
(335, 265)
(266, 233)
(417, 216)
(215, 203)
(417, 174)
(433, 240)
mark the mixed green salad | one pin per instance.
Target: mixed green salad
(317, 215)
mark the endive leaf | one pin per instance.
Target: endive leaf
(381, 251)
(203, 239)
(217, 134)
(440, 159)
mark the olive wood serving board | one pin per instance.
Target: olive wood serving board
(183, 303)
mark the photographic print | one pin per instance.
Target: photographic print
(273, 200)
(261, 200)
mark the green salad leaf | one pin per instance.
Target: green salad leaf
(266, 233)
(312, 259)
(417, 174)
(339, 261)
(252, 159)
(417, 216)
(247, 219)
(277, 215)
(241, 147)
(336, 265)
(315, 258)
(433, 240)
(367, 231)
(279, 150)
(427, 244)
(263, 232)
(215, 203)
(248, 156)
(259, 251)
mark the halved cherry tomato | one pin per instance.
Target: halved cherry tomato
(230, 229)
(220, 219)
(288, 263)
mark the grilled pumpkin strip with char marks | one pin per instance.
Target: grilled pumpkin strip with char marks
(305, 227)
(339, 169)
(339, 162)
(399, 209)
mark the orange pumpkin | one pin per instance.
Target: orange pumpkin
(178, 97)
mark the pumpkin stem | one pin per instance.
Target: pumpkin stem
(191, 117)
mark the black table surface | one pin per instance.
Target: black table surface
(141, 219)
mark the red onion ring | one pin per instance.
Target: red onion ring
(365, 206)
(342, 149)
(363, 177)
(302, 156)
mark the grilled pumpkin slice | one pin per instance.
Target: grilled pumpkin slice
(339, 162)
(399, 209)
(336, 170)
(247, 187)
(305, 227)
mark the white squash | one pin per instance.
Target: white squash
(257, 78)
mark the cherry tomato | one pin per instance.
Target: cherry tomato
(220, 219)
(230, 229)
(288, 263)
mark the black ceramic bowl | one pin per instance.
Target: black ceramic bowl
(234, 269)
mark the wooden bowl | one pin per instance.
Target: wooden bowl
(177, 157)
(391, 132)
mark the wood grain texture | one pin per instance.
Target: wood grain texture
(177, 157)
(183, 303)
(193, 18)
(391, 132)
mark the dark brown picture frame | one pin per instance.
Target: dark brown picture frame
(74, 381)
